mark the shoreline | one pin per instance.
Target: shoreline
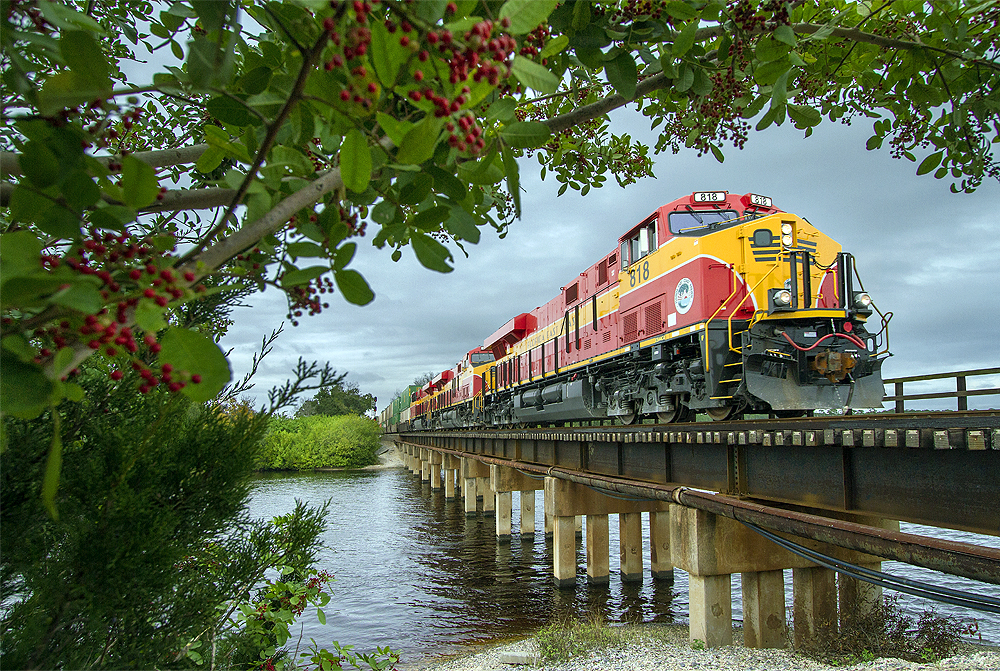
(657, 647)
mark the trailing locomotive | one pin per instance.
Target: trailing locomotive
(715, 303)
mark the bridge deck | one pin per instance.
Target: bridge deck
(939, 469)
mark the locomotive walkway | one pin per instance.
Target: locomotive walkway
(722, 496)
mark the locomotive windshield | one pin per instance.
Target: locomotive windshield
(696, 221)
(479, 358)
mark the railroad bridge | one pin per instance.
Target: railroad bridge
(819, 496)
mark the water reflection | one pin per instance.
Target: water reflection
(412, 571)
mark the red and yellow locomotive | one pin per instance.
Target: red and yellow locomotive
(715, 303)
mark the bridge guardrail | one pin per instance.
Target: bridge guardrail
(961, 392)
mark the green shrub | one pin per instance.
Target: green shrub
(318, 441)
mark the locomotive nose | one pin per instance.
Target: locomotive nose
(833, 365)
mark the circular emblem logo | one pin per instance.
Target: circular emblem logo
(684, 295)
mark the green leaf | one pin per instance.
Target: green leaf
(149, 316)
(19, 252)
(447, 183)
(387, 54)
(769, 49)
(343, 255)
(210, 159)
(24, 389)
(355, 161)
(484, 171)
(526, 134)
(526, 15)
(717, 153)
(114, 217)
(208, 64)
(80, 190)
(419, 143)
(82, 296)
(622, 74)
(554, 46)
(462, 225)
(680, 10)
(39, 164)
(804, 116)
(533, 75)
(395, 128)
(768, 73)
(139, 184)
(255, 81)
(217, 137)
(684, 40)
(197, 353)
(354, 288)
(784, 33)
(431, 253)
(416, 189)
(60, 222)
(503, 110)
(297, 162)
(85, 59)
(64, 17)
(929, 163)
(298, 249)
(211, 13)
(321, 616)
(431, 218)
(686, 78)
(302, 275)
(229, 110)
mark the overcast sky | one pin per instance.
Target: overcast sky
(930, 257)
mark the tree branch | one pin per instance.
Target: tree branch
(10, 167)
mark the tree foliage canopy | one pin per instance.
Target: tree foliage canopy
(339, 398)
(286, 131)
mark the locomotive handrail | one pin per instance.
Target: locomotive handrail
(961, 393)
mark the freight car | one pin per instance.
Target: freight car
(716, 303)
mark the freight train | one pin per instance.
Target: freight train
(716, 303)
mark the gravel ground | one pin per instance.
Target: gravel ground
(668, 650)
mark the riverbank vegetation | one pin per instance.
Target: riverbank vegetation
(319, 441)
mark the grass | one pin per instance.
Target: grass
(886, 631)
(883, 632)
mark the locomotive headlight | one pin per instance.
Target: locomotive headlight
(786, 240)
(786, 228)
(862, 302)
(779, 300)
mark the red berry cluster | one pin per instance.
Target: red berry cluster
(751, 17)
(129, 272)
(305, 297)
(637, 10)
(535, 41)
(467, 136)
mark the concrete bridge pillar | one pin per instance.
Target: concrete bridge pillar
(659, 547)
(711, 548)
(630, 546)
(436, 462)
(503, 481)
(564, 501)
(451, 465)
(598, 540)
(527, 515)
(814, 605)
(504, 505)
(425, 465)
(489, 496)
(474, 472)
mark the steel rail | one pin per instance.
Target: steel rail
(953, 557)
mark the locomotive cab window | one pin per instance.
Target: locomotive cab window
(639, 244)
(698, 222)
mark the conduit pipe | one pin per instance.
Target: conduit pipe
(953, 557)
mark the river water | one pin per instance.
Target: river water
(412, 572)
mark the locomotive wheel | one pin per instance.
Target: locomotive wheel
(723, 413)
(681, 413)
(630, 418)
